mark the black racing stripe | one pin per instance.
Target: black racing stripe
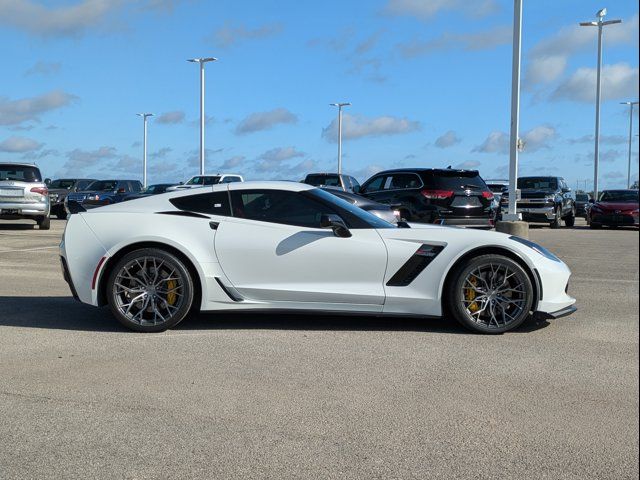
(183, 213)
(415, 265)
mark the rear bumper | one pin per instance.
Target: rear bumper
(473, 222)
(14, 211)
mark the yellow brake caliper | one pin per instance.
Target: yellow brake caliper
(470, 295)
(171, 296)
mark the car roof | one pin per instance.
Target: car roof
(19, 164)
(427, 170)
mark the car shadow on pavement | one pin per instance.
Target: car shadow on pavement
(65, 313)
(17, 226)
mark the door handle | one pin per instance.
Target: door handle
(214, 225)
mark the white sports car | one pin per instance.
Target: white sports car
(289, 246)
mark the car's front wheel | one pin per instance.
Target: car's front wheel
(150, 290)
(490, 294)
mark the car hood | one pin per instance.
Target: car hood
(617, 205)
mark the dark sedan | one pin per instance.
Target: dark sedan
(380, 210)
(615, 208)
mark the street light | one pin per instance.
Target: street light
(340, 105)
(144, 146)
(514, 142)
(631, 104)
(601, 23)
(202, 61)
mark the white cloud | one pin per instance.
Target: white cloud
(230, 35)
(233, 162)
(161, 153)
(265, 120)
(281, 154)
(447, 139)
(78, 160)
(14, 112)
(534, 139)
(43, 68)
(356, 126)
(427, 9)
(476, 41)
(67, 20)
(619, 81)
(173, 117)
(610, 139)
(468, 165)
(547, 60)
(19, 145)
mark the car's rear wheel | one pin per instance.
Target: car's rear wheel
(44, 223)
(594, 226)
(490, 294)
(150, 290)
(570, 220)
(61, 215)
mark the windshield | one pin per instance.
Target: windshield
(103, 185)
(363, 215)
(20, 173)
(582, 197)
(203, 181)
(538, 183)
(62, 184)
(622, 196)
(323, 180)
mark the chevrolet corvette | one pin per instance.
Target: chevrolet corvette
(266, 246)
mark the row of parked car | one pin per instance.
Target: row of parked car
(428, 195)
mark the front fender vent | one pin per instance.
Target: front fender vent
(415, 265)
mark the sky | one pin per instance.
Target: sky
(429, 82)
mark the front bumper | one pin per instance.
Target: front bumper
(535, 214)
(621, 219)
(12, 211)
(564, 312)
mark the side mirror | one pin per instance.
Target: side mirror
(181, 183)
(47, 181)
(335, 223)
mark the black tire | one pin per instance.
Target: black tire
(594, 226)
(44, 223)
(557, 222)
(125, 276)
(61, 215)
(570, 220)
(458, 291)
(404, 215)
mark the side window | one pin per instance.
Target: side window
(374, 185)
(136, 187)
(354, 183)
(278, 206)
(215, 203)
(402, 181)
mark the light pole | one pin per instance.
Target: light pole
(144, 146)
(340, 105)
(631, 104)
(202, 61)
(601, 23)
(513, 215)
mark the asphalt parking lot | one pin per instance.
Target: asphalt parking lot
(251, 396)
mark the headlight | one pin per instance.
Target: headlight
(538, 248)
(550, 198)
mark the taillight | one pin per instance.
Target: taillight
(437, 194)
(40, 190)
(487, 195)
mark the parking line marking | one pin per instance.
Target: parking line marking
(27, 249)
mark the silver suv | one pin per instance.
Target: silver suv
(23, 194)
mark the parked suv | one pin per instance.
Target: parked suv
(431, 195)
(59, 189)
(335, 180)
(23, 194)
(582, 200)
(100, 193)
(204, 180)
(544, 200)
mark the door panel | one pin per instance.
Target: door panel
(277, 262)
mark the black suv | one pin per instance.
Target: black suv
(431, 195)
(544, 200)
(60, 188)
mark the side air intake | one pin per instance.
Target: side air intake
(415, 265)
